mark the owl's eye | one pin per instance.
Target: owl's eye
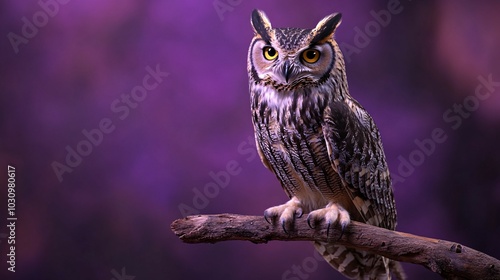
(311, 55)
(270, 53)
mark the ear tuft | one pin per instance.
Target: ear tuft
(261, 25)
(325, 28)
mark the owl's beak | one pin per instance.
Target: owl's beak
(287, 70)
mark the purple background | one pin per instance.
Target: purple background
(114, 209)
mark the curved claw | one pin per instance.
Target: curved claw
(309, 222)
(266, 217)
(283, 225)
(343, 226)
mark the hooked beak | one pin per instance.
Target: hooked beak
(287, 70)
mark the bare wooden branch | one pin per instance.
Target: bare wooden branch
(449, 259)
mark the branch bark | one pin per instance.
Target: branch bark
(449, 259)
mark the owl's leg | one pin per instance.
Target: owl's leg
(331, 214)
(286, 212)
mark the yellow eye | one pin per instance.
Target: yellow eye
(270, 53)
(311, 55)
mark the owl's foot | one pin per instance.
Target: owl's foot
(331, 214)
(286, 212)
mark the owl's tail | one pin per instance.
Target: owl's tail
(357, 264)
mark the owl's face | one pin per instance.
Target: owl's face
(287, 58)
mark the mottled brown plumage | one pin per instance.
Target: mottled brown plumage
(320, 143)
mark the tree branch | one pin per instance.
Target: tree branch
(449, 259)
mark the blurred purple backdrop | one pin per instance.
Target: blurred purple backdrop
(114, 209)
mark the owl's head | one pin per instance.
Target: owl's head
(288, 58)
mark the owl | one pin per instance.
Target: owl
(321, 144)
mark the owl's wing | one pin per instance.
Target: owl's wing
(356, 154)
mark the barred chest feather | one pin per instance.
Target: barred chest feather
(288, 127)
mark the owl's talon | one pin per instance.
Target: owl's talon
(309, 221)
(343, 226)
(269, 216)
(266, 218)
(286, 212)
(331, 214)
(283, 225)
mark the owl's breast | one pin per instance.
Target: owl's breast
(291, 141)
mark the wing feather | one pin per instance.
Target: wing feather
(357, 155)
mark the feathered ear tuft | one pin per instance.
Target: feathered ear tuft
(325, 28)
(261, 25)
